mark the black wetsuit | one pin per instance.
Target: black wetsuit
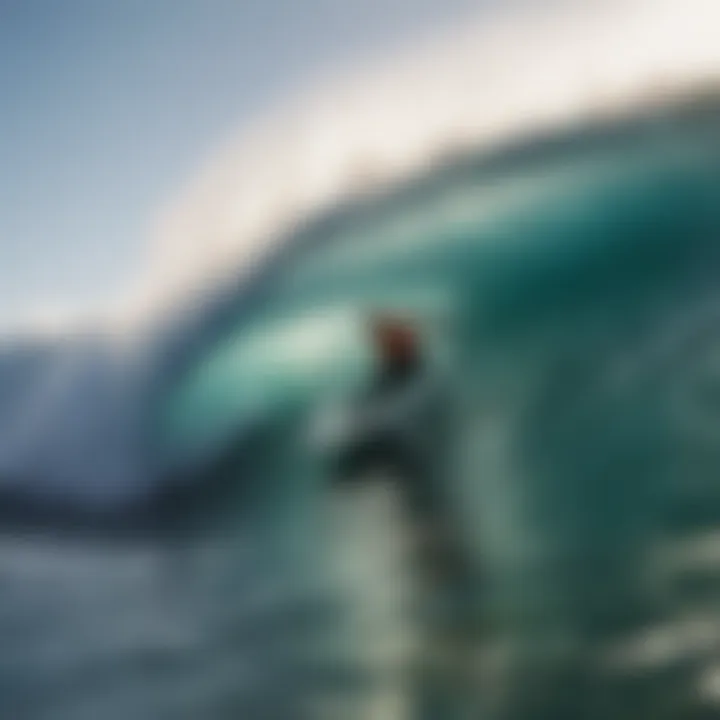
(392, 427)
(402, 432)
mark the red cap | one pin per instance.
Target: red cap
(395, 339)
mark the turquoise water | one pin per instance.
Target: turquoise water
(569, 287)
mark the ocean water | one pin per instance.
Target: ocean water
(569, 286)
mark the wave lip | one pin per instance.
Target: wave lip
(509, 75)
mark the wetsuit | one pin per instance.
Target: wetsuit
(398, 427)
(402, 431)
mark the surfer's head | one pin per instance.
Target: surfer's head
(395, 340)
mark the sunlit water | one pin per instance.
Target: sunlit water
(576, 285)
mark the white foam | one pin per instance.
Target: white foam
(482, 84)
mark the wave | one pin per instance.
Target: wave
(570, 269)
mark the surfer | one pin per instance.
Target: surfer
(399, 430)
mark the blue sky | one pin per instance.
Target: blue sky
(109, 105)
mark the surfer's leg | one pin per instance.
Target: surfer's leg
(446, 685)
